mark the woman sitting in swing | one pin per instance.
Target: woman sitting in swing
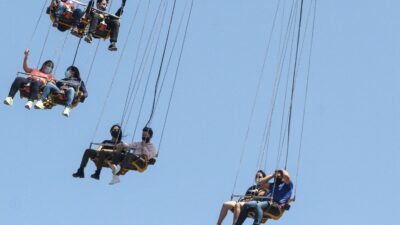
(69, 86)
(36, 79)
(235, 206)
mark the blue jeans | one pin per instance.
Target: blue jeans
(51, 87)
(252, 205)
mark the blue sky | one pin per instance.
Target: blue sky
(350, 142)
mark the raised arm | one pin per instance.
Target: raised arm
(266, 179)
(286, 177)
(25, 63)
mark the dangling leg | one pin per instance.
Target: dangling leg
(70, 94)
(89, 153)
(224, 210)
(236, 211)
(114, 26)
(49, 88)
(18, 83)
(33, 93)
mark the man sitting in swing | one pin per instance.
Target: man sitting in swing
(278, 195)
(99, 20)
(136, 151)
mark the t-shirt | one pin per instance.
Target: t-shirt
(281, 193)
(40, 76)
(111, 143)
(140, 148)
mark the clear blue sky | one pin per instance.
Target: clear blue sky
(350, 162)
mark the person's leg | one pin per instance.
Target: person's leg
(89, 153)
(236, 211)
(118, 157)
(76, 15)
(114, 26)
(18, 83)
(245, 210)
(259, 211)
(224, 210)
(49, 88)
(94, 20)
(99, 165)
(70, 94)
(34, 89)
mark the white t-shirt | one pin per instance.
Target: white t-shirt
(141, 148)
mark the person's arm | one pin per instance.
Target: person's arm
(120, 11)
(25, 63)
(266, 179)
(82, 88)
(286, 177)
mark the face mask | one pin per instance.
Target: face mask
(67, 74)
(48, 69)
(146, 139)
(115, 134)
(102, 7)
(278, 181)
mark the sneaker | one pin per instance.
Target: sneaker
(96, 175)
(115, 169)
(88, 38)
(75, 31)
(8, 101)
(66, 112)
(115, 180)
(39, 105)
(112, 47)
(29, 105)
(79, 174)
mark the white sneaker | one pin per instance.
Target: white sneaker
(39, 105)
(29, 105)
(66, 111)
(115, 169)
(8, 101)
(115, 180)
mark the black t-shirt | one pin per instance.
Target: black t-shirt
(111, 144)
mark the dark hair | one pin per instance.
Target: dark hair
(99, 1)
(148, 129)
(120, 131)
(75, 69)
(262, 172)
(48, 62)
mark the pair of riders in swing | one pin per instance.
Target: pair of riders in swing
(116, 154)
(99, 19)
(272, 197)
(42, 80)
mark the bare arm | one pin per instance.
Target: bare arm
(265, 180)
(25, 64)
(286, 177)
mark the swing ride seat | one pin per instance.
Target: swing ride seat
(274, 211)
(53, 99)
(65, 22)
(130, 162)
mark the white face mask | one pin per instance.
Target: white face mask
(48, 69)
(67, 74)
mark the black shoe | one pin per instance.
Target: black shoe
(112, 47)
(88, 38)
(79, 174)
(96, 175)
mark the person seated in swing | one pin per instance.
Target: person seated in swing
(235, 206)
(100, 153)
(105, 20)
(70, 85)
(36, 79)
(67, 6)
(278, 195)
(134, 151)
